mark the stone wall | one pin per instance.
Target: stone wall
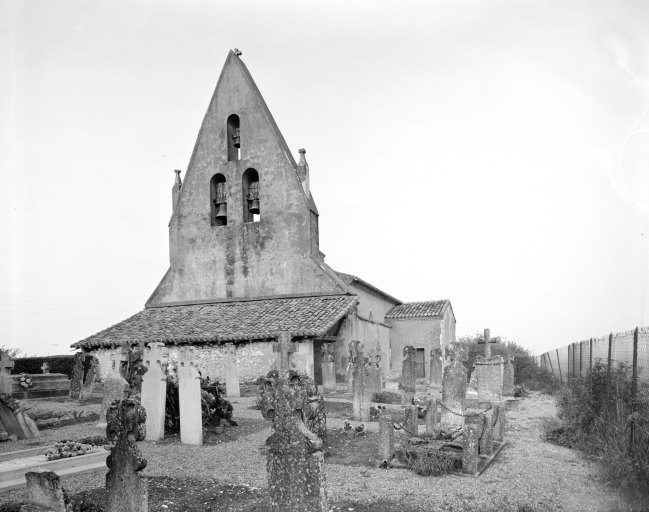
(417, 332)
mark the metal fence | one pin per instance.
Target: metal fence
(615, 370)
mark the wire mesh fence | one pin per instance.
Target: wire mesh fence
(612, 373)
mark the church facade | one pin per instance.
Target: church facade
(246, 266)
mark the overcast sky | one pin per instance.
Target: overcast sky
(494, 153)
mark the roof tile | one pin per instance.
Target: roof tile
(418, 309)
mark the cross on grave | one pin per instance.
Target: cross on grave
(45, 368)
(284, 347)
(6, 363)
(487, 341)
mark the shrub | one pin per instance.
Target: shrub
(433, 464)
(521, 391)
(387, 397)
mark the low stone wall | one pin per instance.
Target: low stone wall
(43, 385)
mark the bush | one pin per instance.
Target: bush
(598, 414)
(58, 364)
(387, 397)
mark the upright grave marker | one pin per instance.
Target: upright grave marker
(411, 423)
(6, 364)
(126, 490)
(328, 366)
(45, 368)
(189, 396)
(89, 381)
(44, 490)
(374, 371)
(408, 375)
(431, 417)
(232, 389)
(284, 347)
(489, 373)
(77, 375)
(453, 388)
(295, 461)
(508, 376)
(386, 437)
(436, 368)
(360, 388)
(115, 387)
(154, 390)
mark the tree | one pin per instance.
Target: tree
(13, 352)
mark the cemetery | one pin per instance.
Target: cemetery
(166, 439)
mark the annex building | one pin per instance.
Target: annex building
(246, 266)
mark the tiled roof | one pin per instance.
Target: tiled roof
(227, 321)
(418, 309)
(349, 279)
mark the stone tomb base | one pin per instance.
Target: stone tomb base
(43, 385)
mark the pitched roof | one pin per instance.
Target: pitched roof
(226, 321)
(350, 279)
(419, 309)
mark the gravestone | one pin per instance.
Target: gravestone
(284, 347)
(189, 396)
(115, 388)
(126, 490)
(44, 490)
(374, 372)
(328, 366)
(154, 390)
(89, 381)
(6, 364)
(45, 368)
(16, 421)
(470, 448)
(360, 376)
(431, 417)
(411, 423)
(77, 376)
(489, 376)
(232, 389)
(295, 461)
(453, 388)
(487, 341)
(408, 375)
(508, 376)
(436, 368)
(499, 422)
(386, 437)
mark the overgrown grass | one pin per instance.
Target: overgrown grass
(598, 416)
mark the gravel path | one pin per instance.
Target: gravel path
(528, 471)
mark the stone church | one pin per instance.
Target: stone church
(246, 266)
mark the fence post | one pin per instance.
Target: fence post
(559, 365)
(551, 368)
(590, 356)
(581, 359)
(634, 385)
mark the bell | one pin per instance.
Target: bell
(222, 211)
(236, 138)
(254, 206)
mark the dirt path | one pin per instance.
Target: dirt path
(528, 472)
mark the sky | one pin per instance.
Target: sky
(494, 153)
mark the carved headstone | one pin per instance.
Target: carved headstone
(411, 424)
(408, 374)
(489, 376)
(77, 376)
(328, 366)
(295, 464)
(44, 490)
(386, 438)
(374, 371)
(16, 421)
(154, 390)
(431, 417)
(189, 396)
(453, 388)
(232, 389)
(508, 377)
(89, 381)
(126, 490)
(115, 388)
(6, 364)
(498, 420)
(360, 377)
(436, 368)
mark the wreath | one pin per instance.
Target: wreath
(25, 381)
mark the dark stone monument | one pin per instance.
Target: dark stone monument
(411, 423)
(431, 417)
(44, 490)
(408, 375)
(126, 490)
(295, 464)
(77, 376)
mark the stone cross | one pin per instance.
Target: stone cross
(6, 364)
(125, 488)
(295, 460)
(284, 347)
(408, 375)
(189, 396)
(487, 341)
(328, 367)
(154, 390)
(45, 368)
(361, 392)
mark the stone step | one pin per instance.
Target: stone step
(21, 481)
(17, 471)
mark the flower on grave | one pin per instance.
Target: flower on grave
(25, 381)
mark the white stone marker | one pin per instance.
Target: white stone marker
(154, 391)
(189, 396)
(231, 372)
